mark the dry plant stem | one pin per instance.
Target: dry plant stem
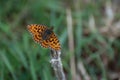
(91, 24)
(83, 71)
(80, 66)
(109, 13)
(71, 43)
(57, 64)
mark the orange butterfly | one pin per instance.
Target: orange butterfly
(44, 36)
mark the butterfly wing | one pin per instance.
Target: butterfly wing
(54, 42)
(44, 44)
(37, 31)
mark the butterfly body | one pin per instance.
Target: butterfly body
(44, 36)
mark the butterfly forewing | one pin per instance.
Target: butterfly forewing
(36, 31)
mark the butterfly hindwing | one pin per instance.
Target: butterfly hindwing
(54, 42)
(44, 44)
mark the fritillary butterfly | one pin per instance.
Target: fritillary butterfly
(44, 36)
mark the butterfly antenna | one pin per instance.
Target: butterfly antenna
(51, 28)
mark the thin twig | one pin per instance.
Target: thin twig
(57, 64)
(80, 66)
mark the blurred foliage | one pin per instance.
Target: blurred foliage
(22, 59)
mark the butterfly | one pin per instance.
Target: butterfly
(44, 36)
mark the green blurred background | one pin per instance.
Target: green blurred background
(95, 33)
